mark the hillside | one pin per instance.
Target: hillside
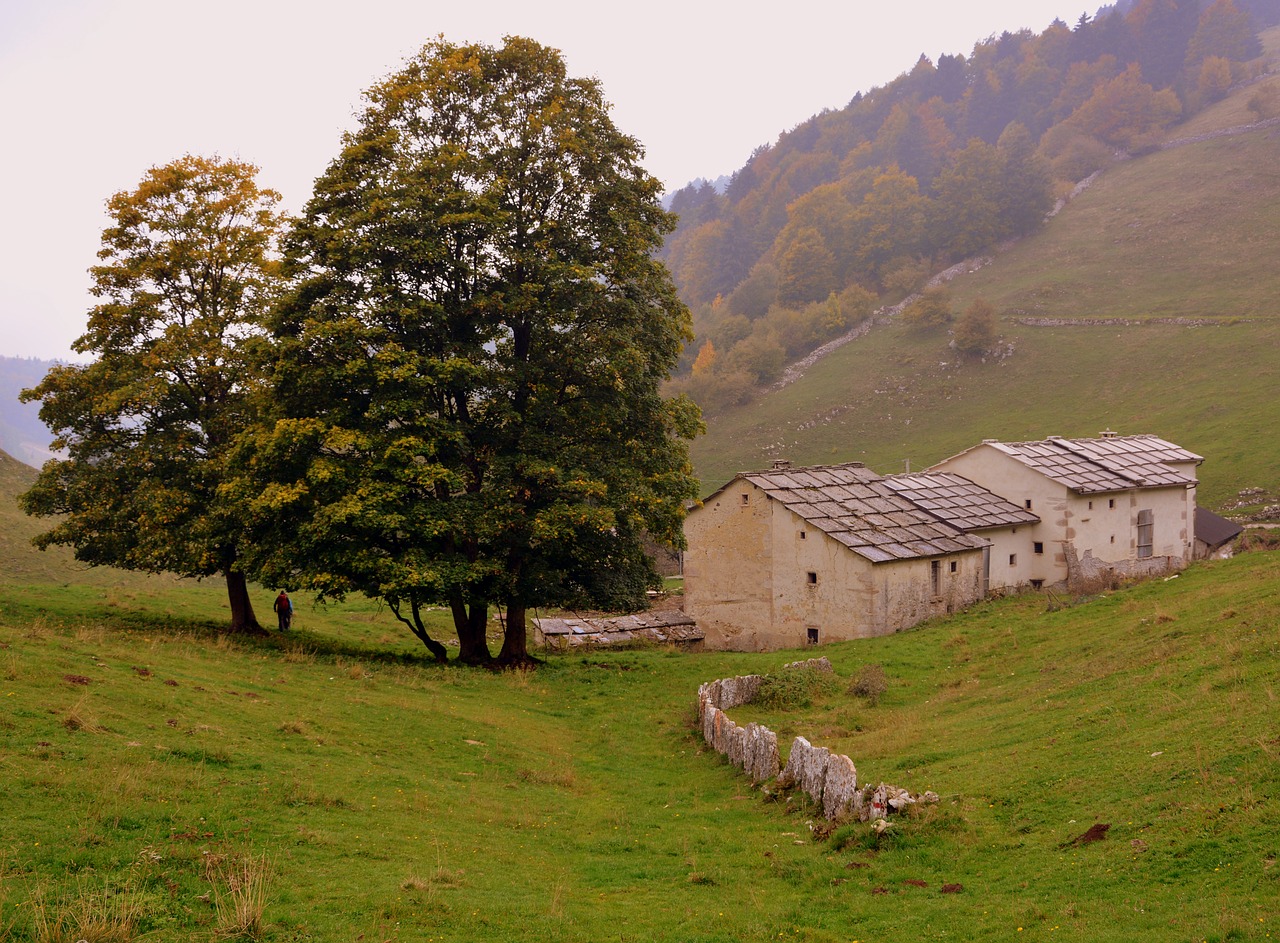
(1146, 305)
(157, 775)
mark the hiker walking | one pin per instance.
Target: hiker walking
(284, 610)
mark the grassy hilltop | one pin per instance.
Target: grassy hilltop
(335, 785)
(1152, 302)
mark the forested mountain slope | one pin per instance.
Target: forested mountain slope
(1147, 304)
(856, 208)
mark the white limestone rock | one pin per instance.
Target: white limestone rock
(709, 724)
(839, 787)
(790, 774)
(736, 743)
(764, 755)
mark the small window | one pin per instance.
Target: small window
(1028, 504)
(954, 565)
(803, 535)
(1113, 538)
(746, 498)
(1038, 547)
(1111, 502)
(1090, 505)
(1013, 559)
(1037, 584)
(812, 634)
(935, 576)
(812, 578)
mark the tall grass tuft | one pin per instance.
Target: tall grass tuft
(241, 886)
(92, 915)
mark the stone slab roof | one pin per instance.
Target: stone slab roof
(859, 509)
(958, 501)
(665, 625)
(1110, 463)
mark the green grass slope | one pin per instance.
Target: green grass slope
(1169, 258)
(157, 774)
(36, 582)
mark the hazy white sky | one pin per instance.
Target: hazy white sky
(94, 92)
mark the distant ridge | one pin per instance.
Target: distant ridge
(22, 435)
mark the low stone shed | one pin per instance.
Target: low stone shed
(670, 627)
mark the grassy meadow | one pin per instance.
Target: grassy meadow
(162, 781)
(166, 782)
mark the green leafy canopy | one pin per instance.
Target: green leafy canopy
(468, 363)
(187, 268)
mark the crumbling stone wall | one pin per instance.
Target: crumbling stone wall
(1088, 574)
(829, 779)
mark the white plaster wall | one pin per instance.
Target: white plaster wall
(1009, 478)
(1105, 524)
(728, 567)
(904, 590)
(747, 579)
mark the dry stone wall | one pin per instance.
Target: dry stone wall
(830, 780)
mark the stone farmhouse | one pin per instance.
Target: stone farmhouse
(1110, 508)
(789, 557)
(795, 556)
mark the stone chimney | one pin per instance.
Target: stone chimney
(781, 464)
(1108, 434)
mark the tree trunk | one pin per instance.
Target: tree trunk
(471, 622)
(420, 630)
(242, 617)
(515, 640)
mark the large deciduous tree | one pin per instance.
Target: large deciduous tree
(469, 363)
(187, 267)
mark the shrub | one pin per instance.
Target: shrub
(794, 688)
(975, 330)
(1265, 102)
(870, 684)
(931, 309)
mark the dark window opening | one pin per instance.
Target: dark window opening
(1111, 502)
(813, 636)
(1037, 584)
(954, 566)
(1013, 559)
(1028, 504)
(935, 576)
(803, 535)
(812, 578)
(1038, 547)
(746, 499)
